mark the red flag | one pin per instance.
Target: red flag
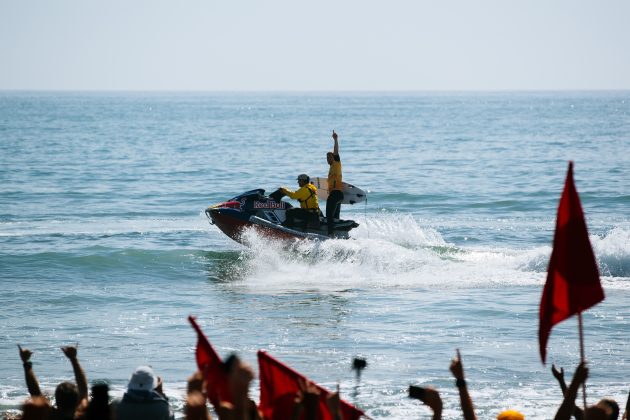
(572, 277)
(279, 385)
(211, 365)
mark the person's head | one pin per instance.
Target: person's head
(67, 397)
(231, 363)
(142, 379)
(510, 415)
(239, 373)
(330, 158)
(605, 409)
(196, 382)
(98, 408)
(303, 179)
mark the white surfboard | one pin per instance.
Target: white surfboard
(351, 194)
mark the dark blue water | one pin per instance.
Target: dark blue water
(103, 239)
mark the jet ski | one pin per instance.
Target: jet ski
(267, 215)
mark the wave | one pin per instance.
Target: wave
(100, 227)
(100, 263)
(612, 251)
(394, 251)
(386, 250)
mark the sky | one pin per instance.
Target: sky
(323, 45)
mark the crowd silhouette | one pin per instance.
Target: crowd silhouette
(144, 397)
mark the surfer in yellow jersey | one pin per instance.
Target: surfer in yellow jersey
(335, 192)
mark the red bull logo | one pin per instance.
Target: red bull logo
(270, 204)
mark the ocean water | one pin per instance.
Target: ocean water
(103, 241)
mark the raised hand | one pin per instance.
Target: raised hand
(567, 408)
(559, 375)
(336, 145)
(25, 354)
(456, 366)
(70, 351)
(31, 380)
(79, 374)
(581, 374)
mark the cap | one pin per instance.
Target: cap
(142, 379)
(303, 177)
(510, 415)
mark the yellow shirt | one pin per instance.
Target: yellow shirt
(306, 195)
(334, 176)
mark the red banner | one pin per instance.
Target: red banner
(279, 385)
(572, 277)
(211, 365)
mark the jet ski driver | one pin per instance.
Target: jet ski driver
(309, 204)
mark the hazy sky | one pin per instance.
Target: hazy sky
(314, 45)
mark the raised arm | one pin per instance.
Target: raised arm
(430, 397)
(31, 380)
(79, 375)
(458, 372)
(559, 375)
(566, 409)
(336, 147)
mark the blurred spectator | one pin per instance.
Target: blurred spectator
(240, 376)
(195, 408)
(70, 399)
(98, 407)
(144, 399)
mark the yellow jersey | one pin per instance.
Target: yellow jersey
(306, 195)
(334, 176)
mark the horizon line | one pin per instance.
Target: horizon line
(313, 91)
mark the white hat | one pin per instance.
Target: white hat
(142, 379)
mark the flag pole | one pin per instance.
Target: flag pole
(582, 358)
